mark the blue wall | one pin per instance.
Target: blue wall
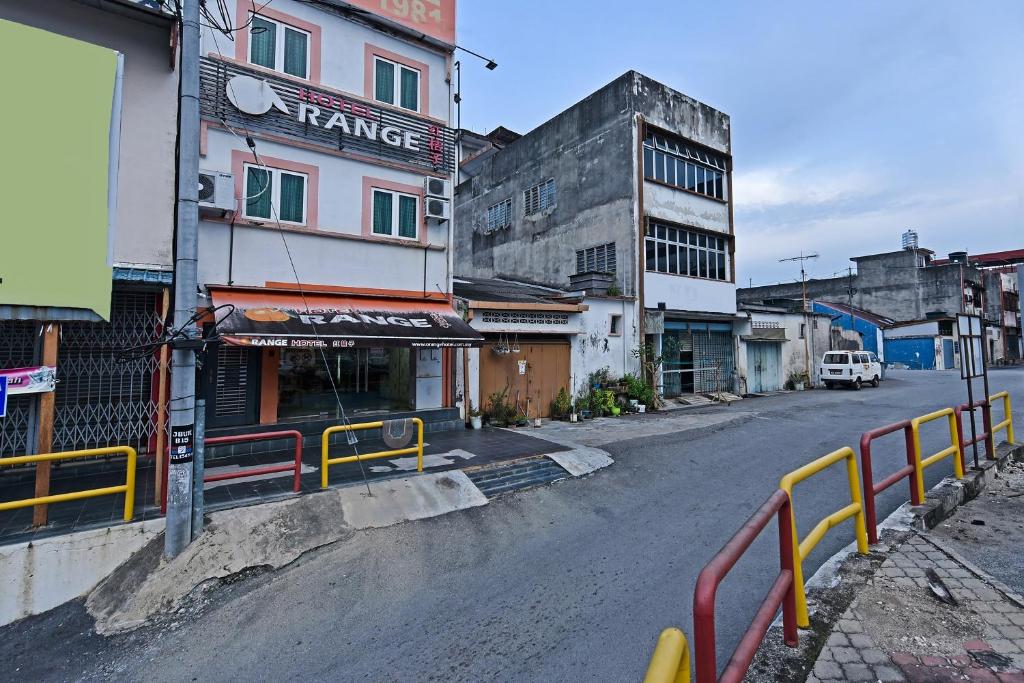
(917, 353)
(868, 330)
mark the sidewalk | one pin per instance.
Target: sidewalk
(896, 629)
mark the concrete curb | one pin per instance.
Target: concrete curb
(582, 460)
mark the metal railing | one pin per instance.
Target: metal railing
(1007, 422)
(244, 472)
(127, 488)
(952, 450)
(326, 462)
(782, 593)
(872, 489)
(670, 662)
(801, 549)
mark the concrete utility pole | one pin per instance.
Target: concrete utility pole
(803, 285)
(183, 375)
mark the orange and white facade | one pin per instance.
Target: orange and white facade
(329, 124)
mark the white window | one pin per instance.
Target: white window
(395, 214)
(615, 325)
(279, 46)
(273, 194)
(396, 84)
(539, 197)
(499, 216)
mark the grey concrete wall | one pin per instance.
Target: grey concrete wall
(149, 118)
(890, 285)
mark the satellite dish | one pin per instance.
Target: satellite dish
(253, 96)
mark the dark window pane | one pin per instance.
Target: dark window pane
(410, 89)
(295, 53)
(722, 275)
(693, 238)
(672, 234)
(262, 42)
(718, 186)
(700, 179)
(691, 177)
(293, 198)
(406, 216)
(659, 166)
(258, 189)
(649, 255)
(648, 162)
(670, 170)
(662, 258)
(650, 230)
(693, 262)
(712, 267)
(702, 240)
(673, 260)
(381, 213)
(703, 260)
(680, 173)
(384, 91)
(661, 232)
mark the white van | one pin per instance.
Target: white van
(854, 368)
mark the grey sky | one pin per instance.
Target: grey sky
(852, 121)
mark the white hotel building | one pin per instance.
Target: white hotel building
(324, 243)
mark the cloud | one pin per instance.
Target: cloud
(796, 186)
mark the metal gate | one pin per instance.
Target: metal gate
(104, 398)
(18, 342)
(713, 361)
(764, 360)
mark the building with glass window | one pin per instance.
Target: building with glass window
(627, 191)
(326, 163)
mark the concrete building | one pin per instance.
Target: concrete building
(902, 285)
(866, 326)
(627, 193)
(539, 340)
(86, 271)
(780, 346)
(326, 256)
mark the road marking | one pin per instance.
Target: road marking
(224, 469)
(432, 460)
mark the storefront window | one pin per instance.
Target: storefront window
(366, 380)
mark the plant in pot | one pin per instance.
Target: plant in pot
(561, 407)
(476, 416)
(501, 412)
(640, 391)
(798, 380)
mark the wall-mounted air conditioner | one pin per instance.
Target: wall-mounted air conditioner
(216, 192)
(435, 187)
(438, 209)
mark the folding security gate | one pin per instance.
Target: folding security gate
(18, 347)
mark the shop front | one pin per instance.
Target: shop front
(697, 355)
(288, 356)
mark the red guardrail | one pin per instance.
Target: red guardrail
(250, 471)
(872, 489)
(986, 435)
(781, 594)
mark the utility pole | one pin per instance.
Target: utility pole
(849, 293)
(803, 285)
(183, 376)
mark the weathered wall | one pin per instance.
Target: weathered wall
(595, 348)
(589, 150)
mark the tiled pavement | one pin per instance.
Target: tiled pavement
(442, 451)
(895, 630)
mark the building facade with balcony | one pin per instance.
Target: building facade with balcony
(628, 193)
(326, 163)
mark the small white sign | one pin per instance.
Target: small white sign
(522, 367)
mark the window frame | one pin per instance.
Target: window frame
(279, 45)
(396, 196)
(661, 150)
(397, 85)
(542, 196)
(604, 253)
(612, 319)
(495, 208)
(275, 194)
(694, 250)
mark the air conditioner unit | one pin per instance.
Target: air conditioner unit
(438, 209)
(435, 187)
(216, 192)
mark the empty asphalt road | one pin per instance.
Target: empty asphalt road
(571, 581)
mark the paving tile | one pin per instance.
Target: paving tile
(828, 671)
(861, 641)
(858, 672)
(887, 674)
(845, 654)
(837, 640)
(1004, 646)
(874, 656)
(854, 626)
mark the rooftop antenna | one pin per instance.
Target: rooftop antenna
(803, 286)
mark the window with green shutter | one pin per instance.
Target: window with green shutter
(410, 89)
(382, 212)
(262, 42)
(258, 192)
(384, 82)
(406, 216)
(293, 198)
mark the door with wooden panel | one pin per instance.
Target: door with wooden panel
(546, 370)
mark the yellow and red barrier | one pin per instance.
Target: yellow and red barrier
(326, 462)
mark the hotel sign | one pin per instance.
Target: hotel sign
(249, 100)
(433, 18)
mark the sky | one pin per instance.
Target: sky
(852, 121)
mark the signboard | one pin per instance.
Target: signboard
(433, 18)
(182, 444)
(36, 380)
(971, 333)
(251, 100)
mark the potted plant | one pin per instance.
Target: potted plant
(476, 417)
(561, 407)
(797, 379)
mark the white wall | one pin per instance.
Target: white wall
(923, 329)
(145, 181)
(688, 293)
(595, 349)
(343, 52)
(677, 206)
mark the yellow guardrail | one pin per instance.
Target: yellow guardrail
(855, 509)
(952, 450)
(127, 488)
(670, 662)
(1007, 422)
(326, 462)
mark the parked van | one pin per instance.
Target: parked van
(853, 368)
